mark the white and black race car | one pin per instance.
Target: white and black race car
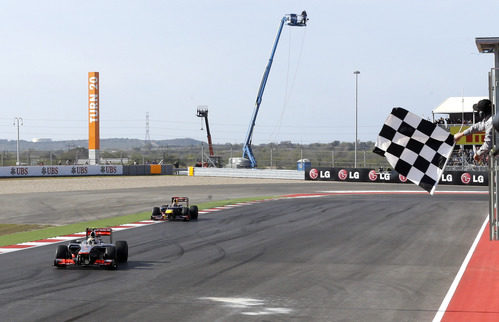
(93, 251)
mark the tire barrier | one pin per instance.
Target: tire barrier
(472, 178)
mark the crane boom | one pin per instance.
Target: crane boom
(203, 112)
(292, 20)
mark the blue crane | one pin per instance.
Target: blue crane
(291, 20)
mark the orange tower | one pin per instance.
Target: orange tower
(93, 118)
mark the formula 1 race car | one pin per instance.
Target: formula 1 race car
(92, 251)
(178, 209)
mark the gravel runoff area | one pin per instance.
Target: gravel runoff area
(32, 185)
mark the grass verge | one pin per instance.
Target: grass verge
(25, 233)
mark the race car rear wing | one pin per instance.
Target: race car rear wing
(180, 199)
(100, 232)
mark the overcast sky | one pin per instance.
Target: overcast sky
(169, 57)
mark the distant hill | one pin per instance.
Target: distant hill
(105, 144)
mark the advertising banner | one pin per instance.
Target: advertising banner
(475, 178)
(93, 118)
(472, 139)
(93, 111)
(61, 171)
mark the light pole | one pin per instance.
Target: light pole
(356, 113)
(18, 121)
(271, 157)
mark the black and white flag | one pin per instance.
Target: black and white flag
(415, 148)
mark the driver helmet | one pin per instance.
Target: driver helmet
(91, 239)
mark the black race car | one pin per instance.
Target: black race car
(92, 251)
(178, 209)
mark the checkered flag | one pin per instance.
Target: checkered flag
(415, 148)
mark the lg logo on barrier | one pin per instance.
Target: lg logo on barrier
(373, 175)
(344, 174)
(447, 178)
(314, 174)
(382, 176)
(466, 178)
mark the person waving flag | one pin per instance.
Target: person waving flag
(416, 148)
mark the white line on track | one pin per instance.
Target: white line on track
(353, 192)
(450, 293)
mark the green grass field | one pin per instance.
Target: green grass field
(14, 234)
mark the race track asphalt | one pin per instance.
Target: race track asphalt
(334, 258)
(65, 207)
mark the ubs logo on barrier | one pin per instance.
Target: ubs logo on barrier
(19, 171)
(50, 170)
(79, 170)
(108, 169)
(313, 173)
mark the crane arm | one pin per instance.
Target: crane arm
(204, 113)
(292, 20)
(208, 135)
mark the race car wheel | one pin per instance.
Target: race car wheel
(171, 217)
(121, 251)
(110, 253)
(194, 212)
(185, 211)
(62, 252)
(155, 212)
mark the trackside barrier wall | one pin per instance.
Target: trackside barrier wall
(147, 169)
(248, 173)
(475, 178)
(61, 171)
(84, 170)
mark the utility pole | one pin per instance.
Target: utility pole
(356, 113)
(147, 139)
(17, 122)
